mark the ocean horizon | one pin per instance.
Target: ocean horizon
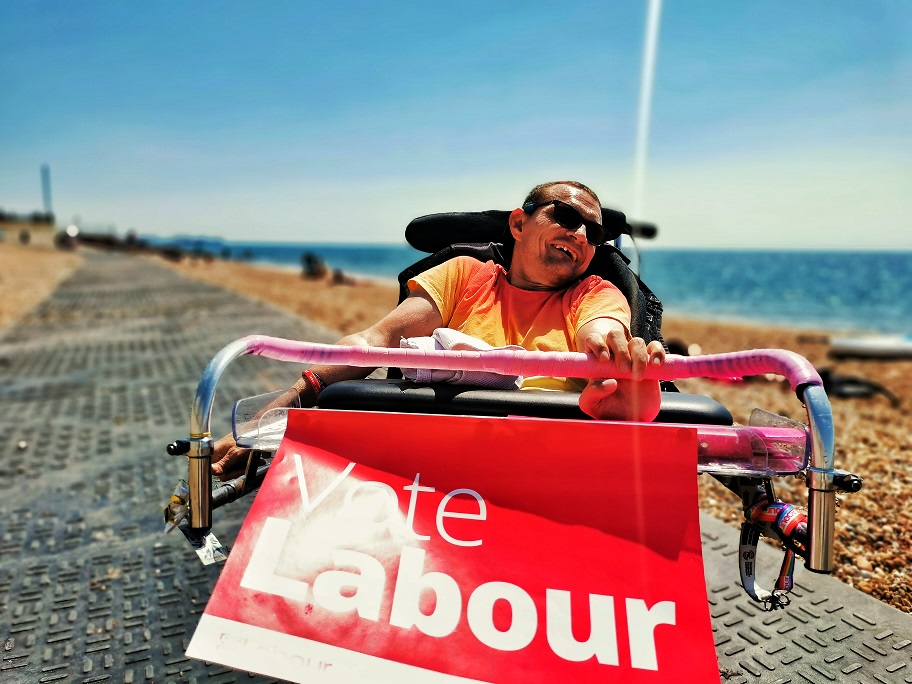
(828, 290)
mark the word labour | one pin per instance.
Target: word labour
(347, 581)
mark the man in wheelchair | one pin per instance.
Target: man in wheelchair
(542, 302)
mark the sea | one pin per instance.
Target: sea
(836, 291)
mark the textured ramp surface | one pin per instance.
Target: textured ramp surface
(93, 385)
(99, 378)
(830, 632)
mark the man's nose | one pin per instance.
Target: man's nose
(579, 232)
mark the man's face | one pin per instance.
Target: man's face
(547, 255)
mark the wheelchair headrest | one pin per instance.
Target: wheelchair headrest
(433, 232)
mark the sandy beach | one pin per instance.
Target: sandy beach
(872, 436)
(28, 274)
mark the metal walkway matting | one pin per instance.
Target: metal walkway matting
(830, 632)
(93, 384)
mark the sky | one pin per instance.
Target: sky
(774, 124)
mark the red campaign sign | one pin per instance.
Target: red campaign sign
(421, 548)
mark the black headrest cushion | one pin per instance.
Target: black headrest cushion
(433, 232)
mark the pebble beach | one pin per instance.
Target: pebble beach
(873, 435)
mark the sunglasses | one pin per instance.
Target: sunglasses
(567, 217)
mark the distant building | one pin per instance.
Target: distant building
(37, 228)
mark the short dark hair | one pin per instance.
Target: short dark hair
(540, 192)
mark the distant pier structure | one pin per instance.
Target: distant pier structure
(36, 228)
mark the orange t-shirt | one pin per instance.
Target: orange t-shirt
(476, 299)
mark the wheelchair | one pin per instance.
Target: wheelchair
(747, 459)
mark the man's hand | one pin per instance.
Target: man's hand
(633, 399)
(228, 457)
(632, 355)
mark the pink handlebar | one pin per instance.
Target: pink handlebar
(795, 368)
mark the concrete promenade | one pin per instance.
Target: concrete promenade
(99, 378)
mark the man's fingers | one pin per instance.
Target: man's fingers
(596, 345)
(219, 466)
(605, 386)
(617, 341)
(224, 453)
(229, 461)
(638, 357)
(630, 355)
(656, 353)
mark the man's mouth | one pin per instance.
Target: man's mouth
(566, 251)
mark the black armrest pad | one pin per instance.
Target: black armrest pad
(402, 396)
(679, 407)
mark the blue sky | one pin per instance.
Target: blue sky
(775, 124)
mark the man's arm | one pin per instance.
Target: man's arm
(635, 399)
(416, 316)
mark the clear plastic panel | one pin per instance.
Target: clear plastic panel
(723, 449)
(771, 445)
(259, 422)
(787, 441)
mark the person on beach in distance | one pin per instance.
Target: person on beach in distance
(541, 304)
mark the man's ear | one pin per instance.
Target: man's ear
(516, 222)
